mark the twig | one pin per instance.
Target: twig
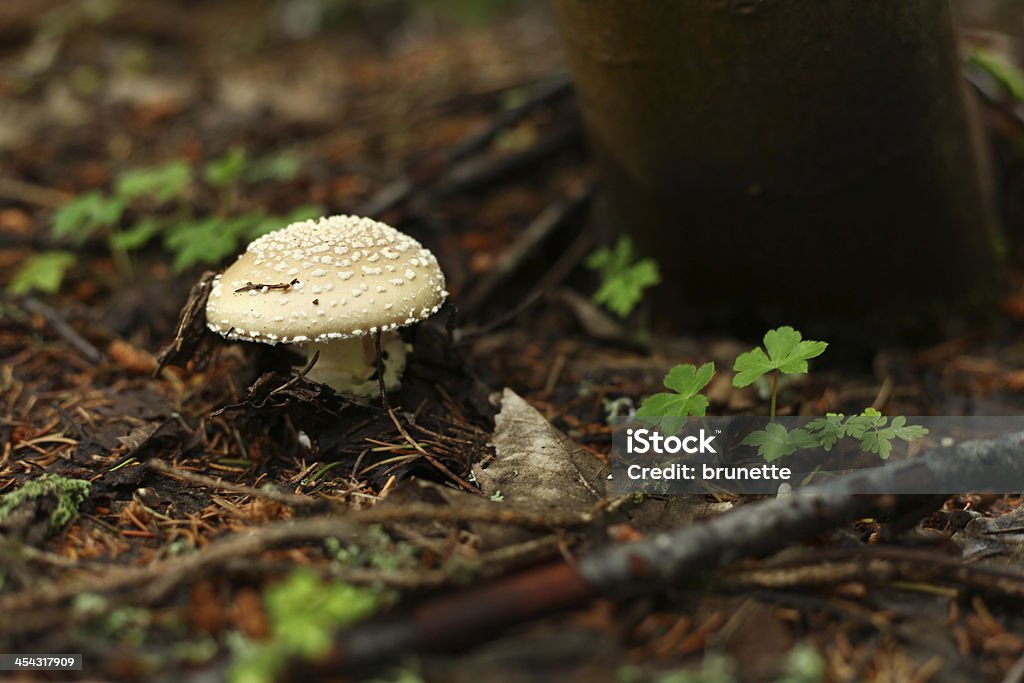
(250, 286)
(549, 220)
(396, 192)
(28, 193)
(474, 174)
(884, 392)
(466, 334)
(873, 565)
(62, 328)
(285, 498)
(545, 94)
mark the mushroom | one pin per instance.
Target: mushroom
(330, 285)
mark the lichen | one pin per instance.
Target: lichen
(69, 494)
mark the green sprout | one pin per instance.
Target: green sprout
(623, 279)
(42, 272)
(787, 353)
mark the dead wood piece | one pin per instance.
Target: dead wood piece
(191, 329)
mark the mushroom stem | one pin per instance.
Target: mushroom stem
(348, 365)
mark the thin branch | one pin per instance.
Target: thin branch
(63, 329)
(283, 497)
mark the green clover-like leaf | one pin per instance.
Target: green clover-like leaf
(787, 352)
(685, 381)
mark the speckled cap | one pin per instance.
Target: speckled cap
(331, 278)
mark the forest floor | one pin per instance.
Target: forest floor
(232, 506)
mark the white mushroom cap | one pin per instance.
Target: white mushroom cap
(332, 278)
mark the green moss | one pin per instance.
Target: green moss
(69, 493)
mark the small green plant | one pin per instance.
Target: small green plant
(69, 494)
(303, 612)
(785, 352)
(685, 399)
(623, 278)
(873, 430)
(156, 203)
(41, 272)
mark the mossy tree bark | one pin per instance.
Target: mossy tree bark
(788, 160)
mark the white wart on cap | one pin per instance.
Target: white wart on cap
(319, 282)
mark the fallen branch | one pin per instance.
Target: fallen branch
(876, 566)
(668, 559)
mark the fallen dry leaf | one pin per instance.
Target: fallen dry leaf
(535, 464)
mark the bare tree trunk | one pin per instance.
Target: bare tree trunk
(789, 160)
